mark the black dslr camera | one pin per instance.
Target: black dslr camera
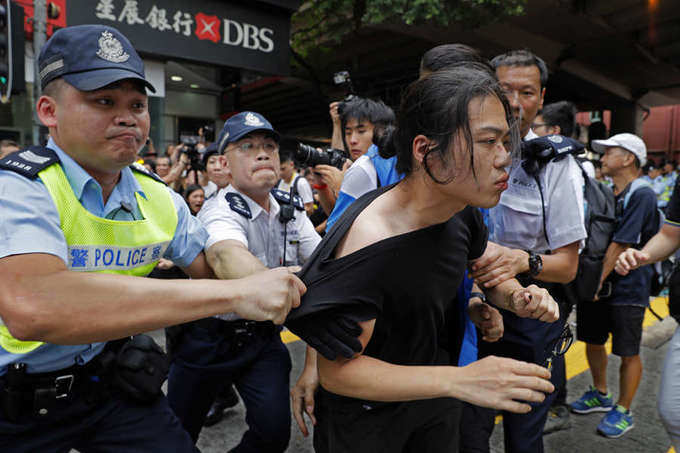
(342, 79)
(189, 148)
(309, 156)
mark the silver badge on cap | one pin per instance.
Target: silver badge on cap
(555, 138)
(252, 120)
(110, 49)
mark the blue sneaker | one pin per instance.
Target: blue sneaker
(592, 401)
(616, 423)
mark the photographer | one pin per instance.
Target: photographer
(358, 120)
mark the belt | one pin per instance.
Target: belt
(23, 394)
(236, 327)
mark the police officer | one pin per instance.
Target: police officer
(251, 228)
(79, 226)
(539, 225)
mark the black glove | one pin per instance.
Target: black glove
(329, 332)
(141, 369)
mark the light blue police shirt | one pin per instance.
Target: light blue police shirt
(29, 223)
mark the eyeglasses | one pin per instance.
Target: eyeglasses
(559, 346)
(248, 147)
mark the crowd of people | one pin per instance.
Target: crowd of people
(458, 217)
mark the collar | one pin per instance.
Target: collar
(78, 178)
(372, 151)
(256, 209)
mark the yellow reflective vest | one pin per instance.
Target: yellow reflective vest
(108, 246)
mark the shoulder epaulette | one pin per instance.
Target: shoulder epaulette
(30, 161)
(238, 204)
(283, 197)
(142, 169)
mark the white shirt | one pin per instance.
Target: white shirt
(303, 188)
(517, 220)
(360, 178)
(262, 234)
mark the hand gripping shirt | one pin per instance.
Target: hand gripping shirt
(232, 215)
(31, 224)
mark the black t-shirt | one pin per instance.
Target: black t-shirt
(407, 282)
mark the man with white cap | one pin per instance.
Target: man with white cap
(622, 299)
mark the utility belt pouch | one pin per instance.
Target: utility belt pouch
(141, 368)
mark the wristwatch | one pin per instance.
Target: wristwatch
(478, 295)
(535, 263)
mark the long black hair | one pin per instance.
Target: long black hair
(436, 106)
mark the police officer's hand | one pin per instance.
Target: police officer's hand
(536, 303)
(302, 397)
(504, 384)
(269, 295)
(487, 319)
(629, 260)
(497, 265)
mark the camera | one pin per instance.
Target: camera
(310, 156)
(343, 80)
(189, 148)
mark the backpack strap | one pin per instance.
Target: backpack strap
(294, 186)
(30, 161)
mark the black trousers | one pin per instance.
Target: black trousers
(349, 425)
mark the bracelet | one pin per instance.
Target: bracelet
(320, 186)
(479, 295)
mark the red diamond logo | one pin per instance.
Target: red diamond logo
(208, 27)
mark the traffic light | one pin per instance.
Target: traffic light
(11, 49)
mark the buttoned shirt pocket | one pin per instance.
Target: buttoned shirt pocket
(518, 219)
(292, 246)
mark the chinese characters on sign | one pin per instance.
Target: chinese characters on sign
(205, 27)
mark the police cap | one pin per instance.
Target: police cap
(89, 57)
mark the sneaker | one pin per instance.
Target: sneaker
(616, 423)
(592, 401)
(558, 419)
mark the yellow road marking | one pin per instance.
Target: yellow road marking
(575, 357)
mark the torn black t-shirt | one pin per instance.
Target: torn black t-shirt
(408, 283)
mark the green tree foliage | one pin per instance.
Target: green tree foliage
(326, 22)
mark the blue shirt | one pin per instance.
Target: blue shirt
(30, 224)
(639, 221)
(367, 173)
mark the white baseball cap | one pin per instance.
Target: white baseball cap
(629, 142)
